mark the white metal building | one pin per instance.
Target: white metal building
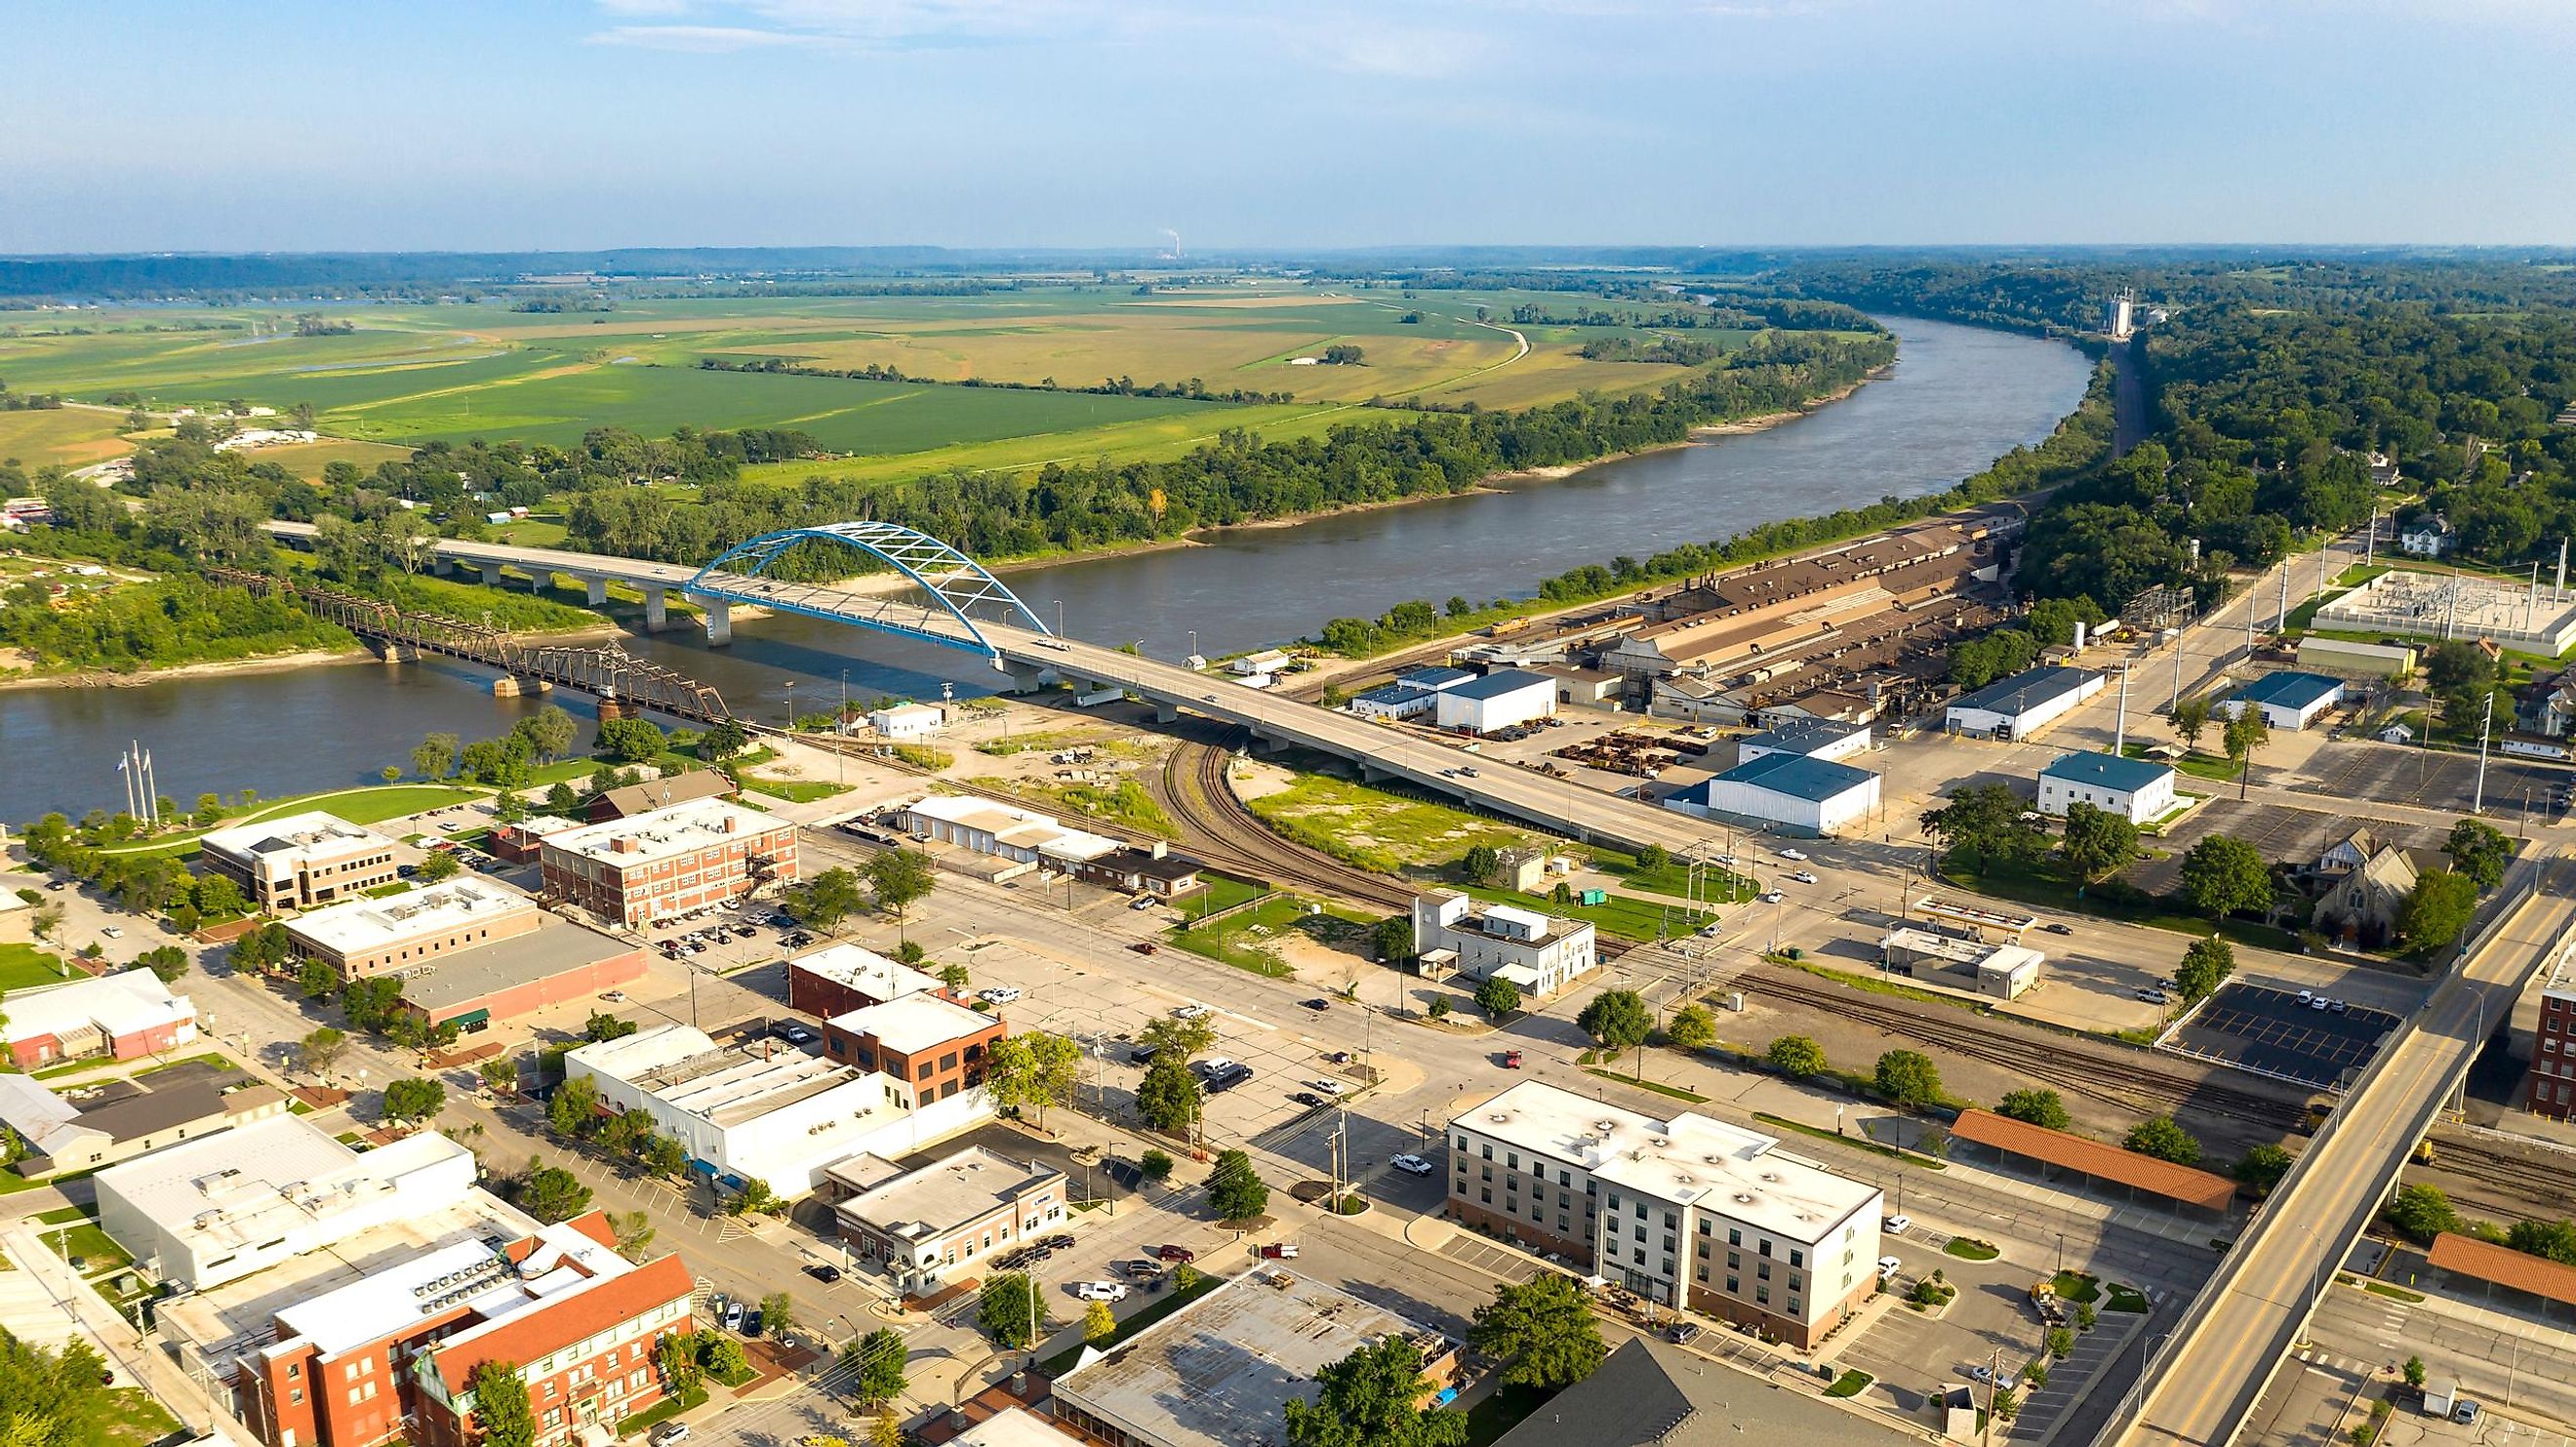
(1819, 738)
(2289, 701)
(1811, 796)
(907, 721)
(1496, 701)
(1537, 952)
(2135, 789)
(2022, 705)
(218, 1208)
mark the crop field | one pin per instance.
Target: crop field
(71, 436)
(307, 459)
(417, 373)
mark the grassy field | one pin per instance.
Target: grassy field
(1377, 830)
(307, 459)
(368, 804)
(1152, 439)
(25, 965)
(71, 436)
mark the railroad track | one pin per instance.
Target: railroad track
(1226, 834)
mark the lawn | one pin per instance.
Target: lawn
(1658, 1087)
(1247, 940)
(2077, 1286)
(366, 804)
(25, 965)
(1619, 915)
(1855, 1141)
(1222, 892)
(2125, 1298)
(98, 1254)
(2031, 886)
(1374, 829)
(663, 1411)
(1850, 1384)
(795, 791)
(1125, 803)
(1969, 1248)
(134, 1418)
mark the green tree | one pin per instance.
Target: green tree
(2097, 843)
(1692, 1028)
(900, 878)
(1796, 1056)
(166, 962)
(1099, 1324)
(216, 896)
(549, 732)
(1983, 826)
(826, 900)
(436, 865)
(2223, 875)
(604, 1026)
(1157, 1165)
(955, 978)
(574, 1110)
(2476, 849)
(1619, 1020)
(678, 1355)
(1173, 1036)
(1235, 1191)
(503, 1415)
(634, 1231)
(2555, 1240)
(722, 1356)
(550, 1193)
(1368, 1399)
(2060, 1342)
(2206, 964)
(664, 1156)
(722, 740)
(2190, 717)
(1545, 1330)
(2036, 1106)
(886, 1429)
(1908, 1079)
(1011, 1310)
(876, 1363)
(2160, 1137)
(2262, 1167)
(1653, 857)
(1168, 1098)
(1032, 1069)
(2246, 733)
(315, 980)
(2436, 910)
(412, 1099)
(631, 740)
(1479, 863)
(1497, 996)
(435, 757)
(2414, 1372)
(777, 1313)
(755, 1198)
(1391, 939)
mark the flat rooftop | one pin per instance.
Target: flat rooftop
(362, 925)
(1689, 1159)
(1224, 1368)
(481, 1275)
(255, 1182)
(122, 1004)
(2030, 689)
(552, 948)
(309, 832)
(1015, 827)
(950, 1192)
(916, 1022)
(665, 833)
(724, 1085)
(865, 971)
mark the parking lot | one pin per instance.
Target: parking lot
(1912, 1353)
(2281, 1034)
(2426, 778)
(2295, 836)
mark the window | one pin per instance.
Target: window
(295, 1398)
(1762, 1269)
(1489, 1151)
(1762, 1294)
(1734, 1237)
(1793, 1306)
(294, 1370)
(1797, 1257)
(355, 1396)
(1512, 1159)
(1733, 1285)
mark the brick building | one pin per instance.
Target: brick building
(299, 861)
(670, 861)
(916, 1226)
(365, 937)
(929, 1046)
(2550, 1089)
(843, 978)
(394, 1353)
(119, 1016)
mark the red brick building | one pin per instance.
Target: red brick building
(670, 861)
(2550, 1089)
(121, 1016)
(393, 1354)
(928, 1045)
(843, 978)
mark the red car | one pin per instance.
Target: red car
(1181, 1254)
(1279, 1251)
(1511, 1060)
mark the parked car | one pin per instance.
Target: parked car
(1980, 1372)
(1279, 1251)
(112, 932)
(751, 1322)
(1192, 1011)
(998, 994)
(1140, 1269)
(825, 1273)
(1337, 1057)
(1141, 1054)
(2153, 996)
(733, 1316)
(1897, 1225)
(1511, 1060)
(615, 997)
(1413, 1165)
(1684, 1333)
(668, 1433)
(1180, 1254)
(1307, 1098)
(796, 1035)
(1144, 902)
(1058, 1242)
(1102, 1291)
(1888, 1266)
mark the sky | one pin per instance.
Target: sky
(300, 125)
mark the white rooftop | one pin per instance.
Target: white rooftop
(1018, 1427)
(471, 1273)
(120, 1004)
(1014, 826)
(953, 1191)
(261, 1181)
(682, 828)
(361, 925)
(1689, 1159)
(726, 1086)
(866, 971)
(307, 832)
(915, 1022)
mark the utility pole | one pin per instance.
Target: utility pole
(841, 734)
(2120, 729)
(2478, 802)
(2281, 616)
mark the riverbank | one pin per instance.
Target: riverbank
(92, 678)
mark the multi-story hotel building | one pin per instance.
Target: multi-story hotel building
(651, 866)
(299, 861)
(2552, 1081)
(1688, 1211)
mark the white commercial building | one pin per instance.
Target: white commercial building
(2001, 971)
(1807, 795)
(1687, 1211)
(1538, 952)
(122, 1016)
(1393, 701)
(300, 860)
(212, 1210)
(763, 1110)
(2022, 705)
(1496, 701)
(907, 721)
(2137, 790)
(1817, 738)
(2288, 701)
(982, 826)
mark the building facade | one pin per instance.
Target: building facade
(363, 937)
(119, 1017)
(842, 978)
(670, 861)
(1687, 1211)
(1537, 952)
(2020, 706)
(1496, 701)
(2550, 1088)
(1798, 792)
(299, 861)
(2287, 701)
(2137, 790)
(920, 1226)
(928, 1046)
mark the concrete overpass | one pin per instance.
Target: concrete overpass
(1029, 657)
(2214, 1367)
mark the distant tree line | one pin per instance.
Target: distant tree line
(1673, 351)
(1193, 389)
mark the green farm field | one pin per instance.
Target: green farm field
(70, 436)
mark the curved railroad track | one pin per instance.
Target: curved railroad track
(1230, 836)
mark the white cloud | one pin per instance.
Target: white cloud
(645, 7)
(699, 39)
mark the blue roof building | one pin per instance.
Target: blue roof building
(2288, 700)
(1806, 795)
(2138, 790)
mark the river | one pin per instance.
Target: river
(1957, 398)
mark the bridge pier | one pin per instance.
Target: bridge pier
(491, 574)
(598, 590)
(1025, 677)
(442, 565)
(656, 610)
(389, 652)
(510, 685)
(719, 620)
(1167, 713)
(540, 580)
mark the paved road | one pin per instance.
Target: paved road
(2202, 1390)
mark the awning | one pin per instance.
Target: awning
(469, 1019)
(1521, 975)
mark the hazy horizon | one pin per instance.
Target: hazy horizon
(1002, 124)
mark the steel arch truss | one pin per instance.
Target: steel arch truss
(949, 583)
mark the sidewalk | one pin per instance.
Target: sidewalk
(136, 1361)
